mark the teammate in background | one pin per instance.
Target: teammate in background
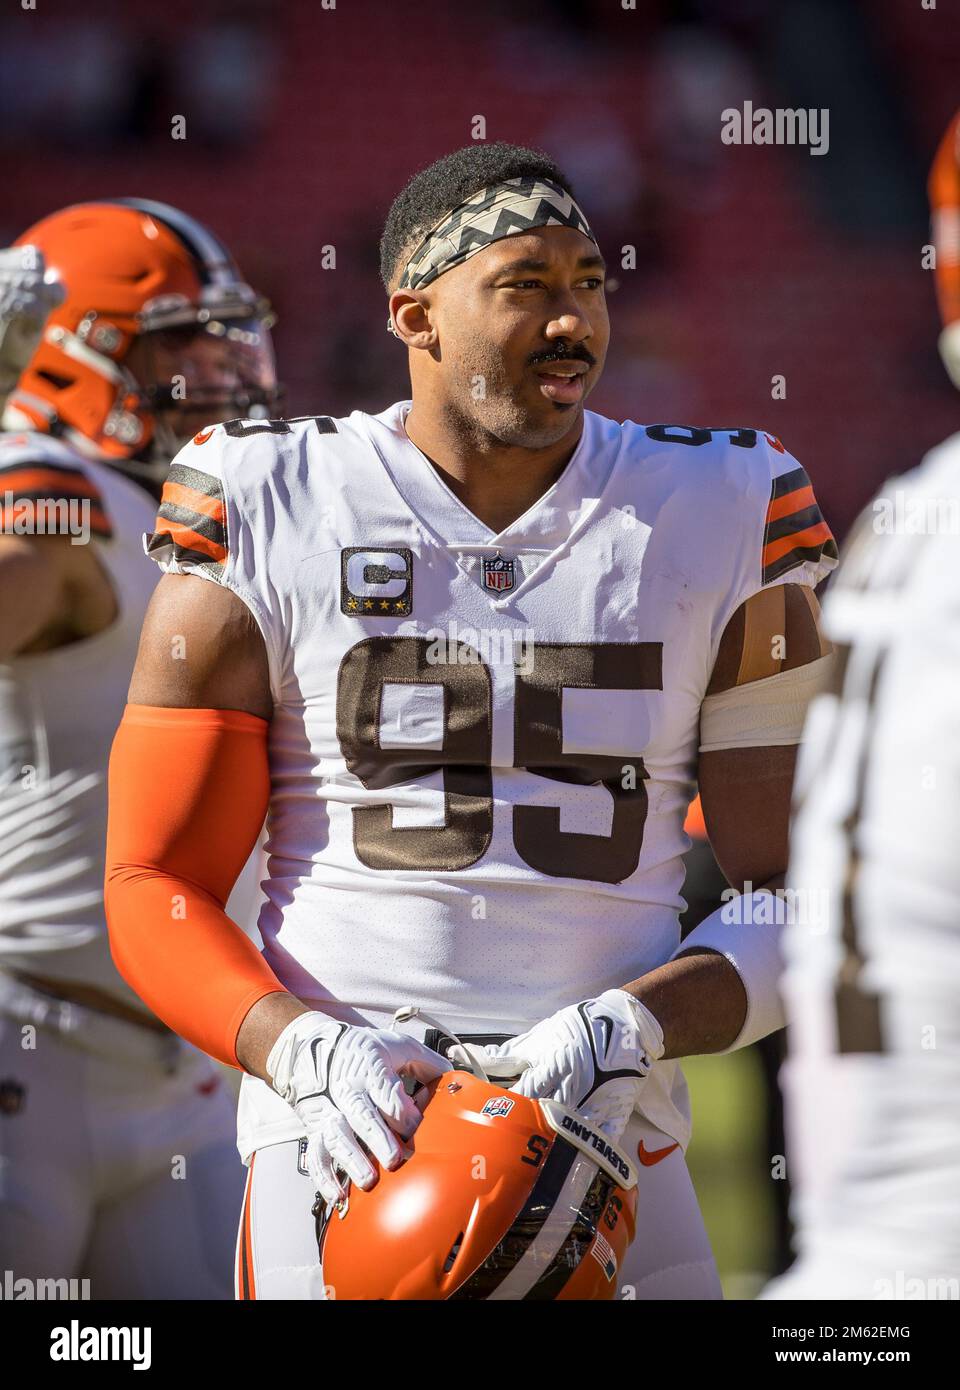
(116, 1152)
(873, 979)
(468, 649)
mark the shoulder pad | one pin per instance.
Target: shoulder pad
(794, 531)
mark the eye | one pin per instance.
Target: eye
(595, 282)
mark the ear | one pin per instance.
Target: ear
(410, 316)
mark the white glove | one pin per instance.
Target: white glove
(27, 296)
(593, 1056)
(345, 1084)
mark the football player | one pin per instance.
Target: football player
(469, 650)
(116, 1159)
(872, 979)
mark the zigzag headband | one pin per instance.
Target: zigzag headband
(502, 210)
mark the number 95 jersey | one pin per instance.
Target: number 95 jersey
(483, 745)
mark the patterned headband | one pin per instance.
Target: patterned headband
(502, 210)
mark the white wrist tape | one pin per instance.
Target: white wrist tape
(762, 713)
(741, 930)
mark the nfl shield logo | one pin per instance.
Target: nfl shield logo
(498, 573)
(500, 1105)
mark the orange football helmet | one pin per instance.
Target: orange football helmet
(503, 1198)
(157, 335)
(944, 192)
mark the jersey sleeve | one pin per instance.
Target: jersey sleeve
(45, 488)
(796, 545)
(214, 521)
(190, 533)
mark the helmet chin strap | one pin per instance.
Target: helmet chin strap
(467, 1056)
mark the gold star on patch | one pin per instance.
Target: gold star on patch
(384, 605)
(368, 603)
(351, 603)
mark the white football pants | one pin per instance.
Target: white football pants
(118, 1159)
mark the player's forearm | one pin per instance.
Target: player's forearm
(699, 998)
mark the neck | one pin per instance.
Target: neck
(497, 481)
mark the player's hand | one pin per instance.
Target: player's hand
(27, 296)
(346, 1085)
(593, 1056)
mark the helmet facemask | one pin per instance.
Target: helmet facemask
(201, 374)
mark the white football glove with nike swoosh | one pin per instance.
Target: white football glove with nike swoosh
(346, 1084)
(593, 1056)
(28, 293)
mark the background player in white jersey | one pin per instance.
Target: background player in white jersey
(468, 649)
(873, 979)
(115, 1137)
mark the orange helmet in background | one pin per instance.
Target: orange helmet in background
(944, 191)
(503, 1198)
(141, 273)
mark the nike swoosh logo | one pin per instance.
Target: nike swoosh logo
(648, 1157)
(202, 437)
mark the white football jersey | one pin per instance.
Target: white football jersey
(59, 711)
(483, 745)
(872, 985)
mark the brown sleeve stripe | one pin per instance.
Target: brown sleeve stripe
(193, 517)
(790, 502)
(188, 500)
(796, 522)
(795, 530)
(170, 516)
(195, 481)
(789, 482)
(159, 542)
(190, 536)
(800, 553)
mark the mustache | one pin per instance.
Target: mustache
(561, 353)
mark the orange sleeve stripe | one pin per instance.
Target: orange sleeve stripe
(175, 848)
(791, 502)
(813, 535)
(190, 539)
(194, 501)
(57, 482)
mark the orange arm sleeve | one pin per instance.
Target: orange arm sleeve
(188, 795)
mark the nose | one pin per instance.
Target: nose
(573, 326)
